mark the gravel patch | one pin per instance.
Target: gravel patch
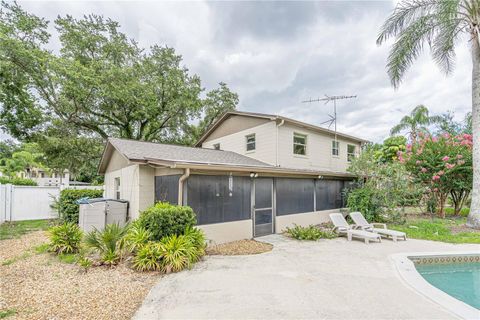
(241, 247)
(39, 286)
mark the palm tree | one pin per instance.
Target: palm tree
(440, 24)
(418, 121)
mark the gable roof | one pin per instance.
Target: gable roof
(272, 117)
(142, 151)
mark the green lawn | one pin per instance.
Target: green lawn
(438, 230)
(9, 230)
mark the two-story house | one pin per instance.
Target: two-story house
(249, 175)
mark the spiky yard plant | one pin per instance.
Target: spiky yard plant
(197, 238)
(440, 24)
(148, 257)
(109, 243)
(178, 253)
(136, 237)
(65, 238)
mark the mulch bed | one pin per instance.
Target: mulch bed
(241, 247)
(39, 286)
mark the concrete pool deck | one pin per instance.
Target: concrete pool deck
(328, 279)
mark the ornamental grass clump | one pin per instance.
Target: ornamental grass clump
(65, 238)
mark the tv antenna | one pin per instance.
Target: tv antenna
(327, 99)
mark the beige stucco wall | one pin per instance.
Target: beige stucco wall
(265, 143)
(319, 150)
(228, 231)
(319, 147)
(235, 123)
(137, 183)
(302, 219)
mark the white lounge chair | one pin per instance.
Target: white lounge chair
(362, 223)
(342, 227)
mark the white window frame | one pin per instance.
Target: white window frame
(247, 143)
(296, 134)
(335, 147)
(353, 154)
(117, 184)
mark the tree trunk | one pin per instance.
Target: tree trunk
(473, 219)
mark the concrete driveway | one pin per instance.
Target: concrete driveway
(328, 279)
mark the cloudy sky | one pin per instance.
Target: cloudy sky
(276, 54)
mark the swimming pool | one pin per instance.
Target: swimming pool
(451, 279)
(460, 280)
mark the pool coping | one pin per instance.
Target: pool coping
(414, 279)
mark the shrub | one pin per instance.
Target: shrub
(65, 238)
(178, 253)
(197, 238)
(364, 200)
(136, 237)
(309, 233)
(164, 219)
(68, 208)
(148, 257)
(109, 243)
(17, 181)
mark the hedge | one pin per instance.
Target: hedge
(68, 208)
(17, 181)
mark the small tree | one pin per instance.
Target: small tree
(443, 165)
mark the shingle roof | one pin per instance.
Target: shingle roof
(141, 150)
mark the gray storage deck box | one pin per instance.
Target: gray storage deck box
(97, 213)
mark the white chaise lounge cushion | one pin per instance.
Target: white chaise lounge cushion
(362, 223)
(342, 226)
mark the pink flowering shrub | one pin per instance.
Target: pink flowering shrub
(443, 164)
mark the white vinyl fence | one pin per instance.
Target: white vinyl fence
(30, 202)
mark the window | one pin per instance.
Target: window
(299, 144)
(250, 139)
(294, 195)
(217, 199)
(216, 146)
(350, 152)
(335, 148)
(117, 188)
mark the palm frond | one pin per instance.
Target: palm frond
(403, 125)
(406, 13)
(449, 27)
(408, 47)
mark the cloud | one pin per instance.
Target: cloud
(276, 54)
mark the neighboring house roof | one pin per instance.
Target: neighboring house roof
(175, 156)
(272, 118)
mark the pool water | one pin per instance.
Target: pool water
(460, 280)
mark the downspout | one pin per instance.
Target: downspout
(180, 185)
(276, 144)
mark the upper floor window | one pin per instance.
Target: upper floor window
(350, 152)
(216, 146)
(335, 148)
(299, 144)
(250, 140)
